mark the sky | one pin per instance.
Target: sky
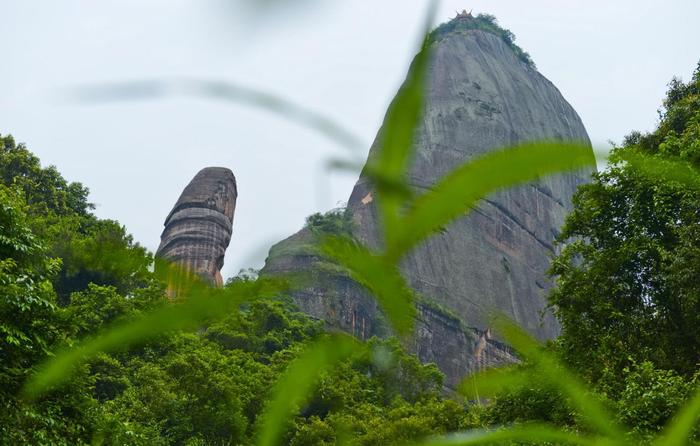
(341, 59)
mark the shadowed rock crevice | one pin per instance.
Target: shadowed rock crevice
(198, 229)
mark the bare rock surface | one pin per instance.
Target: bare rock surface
(198, 229)
(480, 97)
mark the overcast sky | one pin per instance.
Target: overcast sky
(610, 59)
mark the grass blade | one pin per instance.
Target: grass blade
(378, 276)
(202, 304)
(529, 433)
(549, 367)
(298, 380)
(678, 431)
(220, 90)
(390, 164)
(661, 169)
(489, 382)
(459, 191)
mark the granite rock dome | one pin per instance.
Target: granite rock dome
(481, 95)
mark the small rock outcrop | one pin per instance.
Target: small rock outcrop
(198, 229)
(483, 93)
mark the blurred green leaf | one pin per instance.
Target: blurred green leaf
(529, 433)
(489, 382)
(379, 276)
(298, 380)
(660, 169)
(202, 303)
(459, 191)
(550, 368)
(389, 166)
(220, 90)
(679, 429)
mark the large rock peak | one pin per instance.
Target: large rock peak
(482, 93)
(198, 229)
(482, 96)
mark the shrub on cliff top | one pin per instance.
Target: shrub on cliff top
(482, 22)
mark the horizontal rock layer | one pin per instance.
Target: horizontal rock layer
(198, 229)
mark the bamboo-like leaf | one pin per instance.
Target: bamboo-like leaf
(459, 191)
(298, 380)
(549, 367)
(661, 169)
(380, 277)
(224, 91)
(492, 381)
(529, 433)
(202, 303)
(394, 188)
(390, 164)
(679, 429)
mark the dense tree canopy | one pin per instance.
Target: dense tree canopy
(628, 287)
(28, 304)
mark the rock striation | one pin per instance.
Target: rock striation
(198, 229)
(481, 96)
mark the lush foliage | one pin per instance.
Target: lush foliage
(628, 283)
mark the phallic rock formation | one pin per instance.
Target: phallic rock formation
(198, 229)
(481, 96)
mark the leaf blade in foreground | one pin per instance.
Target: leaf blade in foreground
(527, 433)
(223, 91)
(204, 304)
(661, 169)
(378, 276)
(678, 430)
(489, 382)
(389, 165)
(590, 409)
(297, 381)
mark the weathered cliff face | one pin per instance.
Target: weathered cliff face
(480, 97)
(198, 229)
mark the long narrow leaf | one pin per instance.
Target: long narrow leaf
(459, 191)
(389, 166)
(224, 91)
(489, 382)
(547, 366)
(681, 426)
(381, 278)
(201, 304)
(662, 169)
(530, 433)
(295, 384)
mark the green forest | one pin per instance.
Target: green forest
(94, 352)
